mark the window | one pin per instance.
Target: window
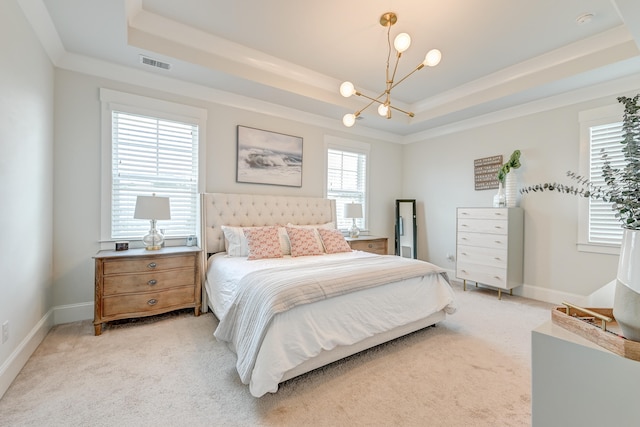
(346, 166)
(151, 148)
(601, 130)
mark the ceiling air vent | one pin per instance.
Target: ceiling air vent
(154, 62)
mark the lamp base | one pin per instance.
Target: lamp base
(354, 231)
(154, 240)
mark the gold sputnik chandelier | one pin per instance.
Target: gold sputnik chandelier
(400, 43)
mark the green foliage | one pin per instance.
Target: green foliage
(513, 163)
(622, 185)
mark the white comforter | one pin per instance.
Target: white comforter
(302, 332)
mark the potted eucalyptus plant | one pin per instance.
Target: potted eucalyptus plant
(622, 189)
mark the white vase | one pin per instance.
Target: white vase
(626, 303)
(511, 184)
(500, 199)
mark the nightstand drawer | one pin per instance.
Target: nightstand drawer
(148, 282)
(120, 266)
(377, 246)
(148, 302)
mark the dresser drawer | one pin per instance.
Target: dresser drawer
(148, 302)
(377, 246)
(493, 226)
(492, 241)
(475, 255)
(485, 274)
(482, 213)
(121, 266)
(148, 282)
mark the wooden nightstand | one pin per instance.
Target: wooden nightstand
(137, 283)
(373, 244)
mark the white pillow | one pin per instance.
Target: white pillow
(236, 242)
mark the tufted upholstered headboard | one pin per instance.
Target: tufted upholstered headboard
(249, 210)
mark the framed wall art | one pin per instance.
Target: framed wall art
(266, 157)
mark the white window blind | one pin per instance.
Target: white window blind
(346, 183)
(153, 155)
(604, 227)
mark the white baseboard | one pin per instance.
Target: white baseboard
(539, 294)
(56, 316)
(16, 361)
(72, 312)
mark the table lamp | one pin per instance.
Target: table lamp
(152, 208)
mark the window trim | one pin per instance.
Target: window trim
(342, 144)
(114, 100)
(598, 116)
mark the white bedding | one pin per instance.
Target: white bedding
(303, 332)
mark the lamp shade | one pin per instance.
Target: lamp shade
(152, 207)
(353, 210)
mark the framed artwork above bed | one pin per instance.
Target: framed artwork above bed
(266, 157)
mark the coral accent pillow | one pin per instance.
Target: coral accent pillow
(304, 241)
(263, 242)
(333, 241)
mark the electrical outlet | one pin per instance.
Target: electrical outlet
(451, 257)
(5, 332)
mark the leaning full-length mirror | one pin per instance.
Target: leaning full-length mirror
(406, 230)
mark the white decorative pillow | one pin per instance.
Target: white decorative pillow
(304, 241)
(236, 242)
(263, 242)
(333, 241)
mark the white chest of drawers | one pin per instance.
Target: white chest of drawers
(490, 246)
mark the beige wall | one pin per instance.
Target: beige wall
(77, 174)
(26, 162)
(439, 173)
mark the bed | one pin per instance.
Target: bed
(321, 307)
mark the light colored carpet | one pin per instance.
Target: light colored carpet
(473, 369)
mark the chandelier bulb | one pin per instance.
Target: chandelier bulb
(433, 58)
(382, 110)
(402, 42)
(349, 120)
(347, 89)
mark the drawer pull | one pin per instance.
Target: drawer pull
(152, 301)
(498, 227)
(152, 265)
(152, 282)
(498, 241)
(497, 277)
(370, 245)
(464, 271)
(498, 258)
(463, 253)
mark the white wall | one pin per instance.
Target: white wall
(77, 176)
(439, 173)
(26, 161)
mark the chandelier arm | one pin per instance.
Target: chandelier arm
(419, 67)
(376, 99)
(408, 113)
